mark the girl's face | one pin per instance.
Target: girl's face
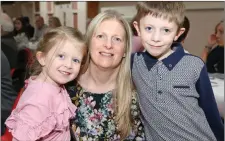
(18, 25)
(62, 63)
(220, 34)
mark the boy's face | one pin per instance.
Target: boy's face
(157, 35)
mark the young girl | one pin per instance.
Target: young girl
(45, 108)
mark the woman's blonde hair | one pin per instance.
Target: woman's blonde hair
(123, 91)
(55, 38)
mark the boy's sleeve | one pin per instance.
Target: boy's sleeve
(208, 103)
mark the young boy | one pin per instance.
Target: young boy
(174, 90)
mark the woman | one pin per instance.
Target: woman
(20, 34)
(107, 108)
(213, 53)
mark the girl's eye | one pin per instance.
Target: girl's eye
(76, 60)
(148, 28)
(61, 56)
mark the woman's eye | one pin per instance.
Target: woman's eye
(76, 60)
(61, 56)
(117, 39)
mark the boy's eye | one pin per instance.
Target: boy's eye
(148, 28)
(61, 56)
(76, 60)
(166, 30)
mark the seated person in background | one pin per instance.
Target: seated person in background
(137, 45)
(20, 34)
(8, 43)
(29, 28)
(40, 28)
(213, 54)
(183, 36)
(8, 94)
(54, 22)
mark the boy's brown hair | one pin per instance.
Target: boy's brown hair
(171, 10)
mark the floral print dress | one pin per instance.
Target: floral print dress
(94, 119)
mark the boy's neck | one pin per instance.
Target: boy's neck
(165, 55)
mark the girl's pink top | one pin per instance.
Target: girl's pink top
(42, 113)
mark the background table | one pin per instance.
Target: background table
(217, 82)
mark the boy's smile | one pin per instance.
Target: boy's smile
(157, 35)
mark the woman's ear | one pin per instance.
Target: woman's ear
(135, 23)
(41, 58)
(180, 32)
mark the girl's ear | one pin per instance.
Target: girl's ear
(180, 32)
(41, 58)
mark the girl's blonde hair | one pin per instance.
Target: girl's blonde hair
(55, 38)
(123, 91)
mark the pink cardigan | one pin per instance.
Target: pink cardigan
(42, 113)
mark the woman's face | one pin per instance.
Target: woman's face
(18, 25)
(220, 34)
(107, 46)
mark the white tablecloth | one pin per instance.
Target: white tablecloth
(217, 82)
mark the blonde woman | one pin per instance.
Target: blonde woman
(106, 104)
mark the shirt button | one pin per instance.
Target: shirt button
(160, 77)
(170, 65)
(159, 92)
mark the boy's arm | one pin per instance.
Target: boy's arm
(208, 103)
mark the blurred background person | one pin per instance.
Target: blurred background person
(8, 43)
(213, 53)
(54, 22)
(20, 34)
(8, 94)
(40, 28)
(29, 28)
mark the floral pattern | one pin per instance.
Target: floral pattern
(94, 117)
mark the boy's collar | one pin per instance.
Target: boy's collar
(170, 61)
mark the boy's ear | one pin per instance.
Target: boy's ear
(180, 32)
(41, 58)
(135, 23)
